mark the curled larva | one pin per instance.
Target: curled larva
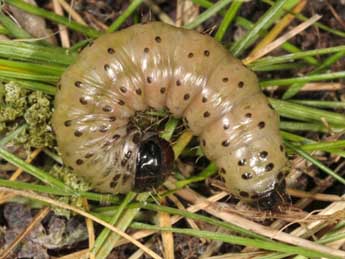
(154, 66)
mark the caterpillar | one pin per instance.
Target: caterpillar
(156, 65)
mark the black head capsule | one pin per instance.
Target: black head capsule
(270, 200)
(154, 163)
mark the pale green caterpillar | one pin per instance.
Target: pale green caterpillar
(156, 65)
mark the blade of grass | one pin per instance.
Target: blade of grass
(297, 55)
(54, 17)
(15, 50)
(286, 46)
(312, 127)
(264, 22)
(6, 139)
(34, 171)
(294, 89)
(123, 17)
(12, 28)
(228, 18)
(301, 112)
(231, 239)
(315, 162)
(207, 14)
(321, 104)
(31, 85)
(302, 79)
(122, 225)
(28, 76)
(32, 67)
(102, 237)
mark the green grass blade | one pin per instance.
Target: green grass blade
(102, 237)
(231, 239)
(316, 162)
(228, 18)
(321, 104)
(34, 171)
(123, 17)
(54, 17)
(304, 113)
(207, 14)
(264, 22)
(12, 28)
(302, 79)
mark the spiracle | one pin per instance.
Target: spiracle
(157, 66)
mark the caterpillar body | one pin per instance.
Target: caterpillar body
(156, 65)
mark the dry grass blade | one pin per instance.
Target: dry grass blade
(158, 11)
(167, 237)
(278, 28)
(37, 219)
(191, 196)
(194, 208)
(278, 42)
(71, 12)
(315, 196)
(62, 29)
(59, 204)
(186, 12)
(90, 229)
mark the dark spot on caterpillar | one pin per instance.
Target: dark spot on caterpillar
(103, 128)
(261, 124)
(128, 154)
(78, 133)
(203, 142)
(226, 143)
(206, 53)
(244, 194)
(88, 155)
(146, 50)
(204, 99)
(136, 138)
(226, 126)
(246, 176)
(125, 178)
(78, 84)
(158, 39)
(263, 154)
(225, 79)
(248, 115)
(121, 102)
(206, 114)
(112, 118)
(106, 67)
(178, 82)
(242, 162)
(162, 90)
(149, 79)
(67, 123)
(222, 171)
(281, 148)
(269, 167)
(123, 89)
(83, 100)
(79, 161)
(280, 176)
(138, 91)
(123, 162)
(116, 137)
(186, 97)
(107, 108)
(115, 180)
(240, 84)
(270, 106)
(190, 55)
(111, 51)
